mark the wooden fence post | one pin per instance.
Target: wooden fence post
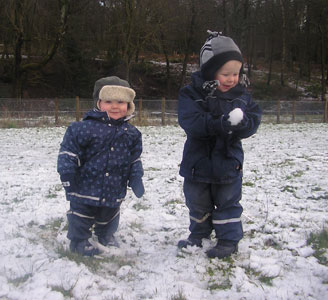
(56, 111)
(77, 107)
(294, 111)
(163, 111)
(325, 113)
(278, 111)
(140, 111)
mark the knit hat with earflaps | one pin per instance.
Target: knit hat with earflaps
(115, 89)
(216, 51)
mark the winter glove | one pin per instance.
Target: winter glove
(210, 86)
(69, 182)
(137, 186)
(235, 120)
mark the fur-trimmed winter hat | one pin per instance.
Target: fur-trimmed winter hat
(114, 88)
(216, 51)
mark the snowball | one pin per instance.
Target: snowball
(235, 116)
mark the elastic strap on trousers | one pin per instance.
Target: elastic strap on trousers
(105, 223)
(202, 220)
(232, 220)
(70, 212)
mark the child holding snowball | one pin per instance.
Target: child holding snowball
(98, 158)
(216, 112)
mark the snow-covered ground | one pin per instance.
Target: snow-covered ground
(285, 199)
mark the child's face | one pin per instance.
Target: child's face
(228, 75)
(115, 109)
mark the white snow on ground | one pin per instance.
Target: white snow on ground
(285, 199)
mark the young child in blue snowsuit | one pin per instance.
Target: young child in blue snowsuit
(216, 112)
(98, 158)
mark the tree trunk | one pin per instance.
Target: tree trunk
(19, 41)
(322, 62)
(270, 64)
(188, 43)
(283, 52)
(167, 61)
(19, 68)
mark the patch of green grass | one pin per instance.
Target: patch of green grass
(179, 296)
(94, 264)
(286, 163)
(247, 183)
(224, 285)
(19, 280)
(295, 174)
(173, 202)
(8, 124)
(136, 226)
(267, 280)
(220, 274)
(319, 242)
(139, 206)
(51, 196)
(288, 188)
(152, 169)
(253, 274)
(65, 293)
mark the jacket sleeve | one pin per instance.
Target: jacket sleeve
(136, 168)
(69, 157)
(195, 120)
(251, 121)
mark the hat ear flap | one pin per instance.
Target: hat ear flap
(98, 104)
(131, 109)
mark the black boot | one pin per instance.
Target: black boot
(83, 247)
(190, 242)
(222, 249)
(108, 241)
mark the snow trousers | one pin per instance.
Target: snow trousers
(81, 218)
(214, 207)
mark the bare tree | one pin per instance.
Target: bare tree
(283, 50)
(20, 14)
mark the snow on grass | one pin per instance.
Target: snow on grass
(285, 199)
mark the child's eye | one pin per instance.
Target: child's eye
(120, 101)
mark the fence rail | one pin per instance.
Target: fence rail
(56, 112)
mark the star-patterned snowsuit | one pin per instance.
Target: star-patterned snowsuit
(97, 159)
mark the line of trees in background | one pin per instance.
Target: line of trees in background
(34, 33)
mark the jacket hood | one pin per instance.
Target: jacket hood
(198, 81)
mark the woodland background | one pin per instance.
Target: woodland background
(58, 48)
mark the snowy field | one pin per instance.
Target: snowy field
(285, 197)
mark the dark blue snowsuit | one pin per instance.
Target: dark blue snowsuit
(213, 157)
(97, 159)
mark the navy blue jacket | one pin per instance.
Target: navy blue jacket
(213, 150)
(97, 158)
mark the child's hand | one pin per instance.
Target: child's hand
(68, 182)
(137, 186)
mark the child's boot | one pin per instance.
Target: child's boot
(222, 249)
(190, 241)
(83, 247)
(109, 241)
